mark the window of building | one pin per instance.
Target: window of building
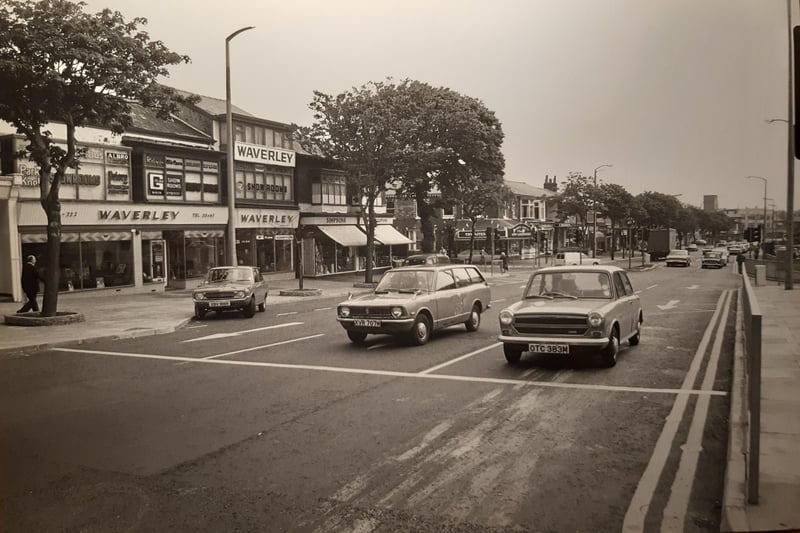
(531, 208)
(261, 182)
(330, 190)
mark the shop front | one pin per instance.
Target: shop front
(127, 245)
(338, 243)
(265, 238)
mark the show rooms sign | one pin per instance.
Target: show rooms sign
(266, 155)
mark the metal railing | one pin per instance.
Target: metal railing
(752, 354)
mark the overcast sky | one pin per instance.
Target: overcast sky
(674, 93)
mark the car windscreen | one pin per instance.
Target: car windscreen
(678, 252)
(570, 285)
(405, 280)
(230, 274)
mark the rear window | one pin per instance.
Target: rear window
(475, 275)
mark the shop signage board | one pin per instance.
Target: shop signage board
(266, 218)
(266, 155)
(521, 231)
(131, 215)
(330, 220)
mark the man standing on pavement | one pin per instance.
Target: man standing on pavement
(30, 284)
(740, 259)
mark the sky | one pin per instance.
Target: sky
(675, 94)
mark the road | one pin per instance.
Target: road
(279, 423)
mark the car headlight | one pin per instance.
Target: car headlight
(397, 312)
(595, 320)
(506, 317)
(240, 294)
(199, 296)
(344, 311)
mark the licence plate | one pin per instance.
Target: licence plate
(549, 348)
(221, 303)
(367, 323)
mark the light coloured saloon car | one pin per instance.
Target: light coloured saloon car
(231, 288)
(679, 258)
(571, 310)
(414, 301)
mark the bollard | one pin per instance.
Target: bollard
(761, 275)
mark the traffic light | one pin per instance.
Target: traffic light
(755, 234)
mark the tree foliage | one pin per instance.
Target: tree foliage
(616, 204)
(60, 64)
(661, 210)
(478, 197)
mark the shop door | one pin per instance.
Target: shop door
(158, 260)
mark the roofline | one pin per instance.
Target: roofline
(248, 118)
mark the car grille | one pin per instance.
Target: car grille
(220, 295)
(370, 312)
(551, 324)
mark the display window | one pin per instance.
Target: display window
(191, 253)
(264, 182)
(268, 250)
(170, 179)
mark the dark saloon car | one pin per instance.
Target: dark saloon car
(426, 259)
(568, 310)
(416, 300)
(231, 288)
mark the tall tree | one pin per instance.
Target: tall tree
(60, 64)
(358, 129)
(615, 203)
(575, 200)
(663, 210)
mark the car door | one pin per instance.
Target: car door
(625, 304)
(447, 298)
(259, 286)
(637, 302)
(465, 289)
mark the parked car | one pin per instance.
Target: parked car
(426, 259)
(735, 249)
(713, 259)
(417, 300)
(679, 257)
(692, 248)
(230, 288)
(723, 251)
(573, 309)
(479, 257)
(573, 258)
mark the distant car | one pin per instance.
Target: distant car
(735, 249)
(414, 301)
(692, 248)
(713, 259)
(573, 258)
(700, 242)
(231, 288)
(572, 309)
(478, 258)
(679, 258)
(426, 259)
(724, 252)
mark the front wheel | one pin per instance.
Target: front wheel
(610, 352)
(634, 340)
(421, 331)
(262, 307)
(357, 337)
(250, 310)
(474, 320)
(199, 312)
(513, 353)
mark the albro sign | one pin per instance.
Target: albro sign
(265, 155)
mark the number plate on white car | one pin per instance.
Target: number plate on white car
(221, 303)
(367, 323)
(549, 348)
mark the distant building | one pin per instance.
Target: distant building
(710, 203)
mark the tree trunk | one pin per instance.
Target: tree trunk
(370, 223)
(52, 207)
(425, 213)
(471, 239)
(613, 239)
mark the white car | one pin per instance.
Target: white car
(573, 258)
(679, 257)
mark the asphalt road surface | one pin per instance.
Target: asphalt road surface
(279, 423)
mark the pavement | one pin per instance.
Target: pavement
(779, 484)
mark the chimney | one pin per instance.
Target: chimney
(550, 185)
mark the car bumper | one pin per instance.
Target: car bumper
(677, 263)
(580, 342)
(388, 326)
(234, 303)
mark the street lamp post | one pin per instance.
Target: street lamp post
(765, 205)
(772, 221)
(594, 211)
(231, 181)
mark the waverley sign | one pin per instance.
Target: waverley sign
(128, 215)
(266, 155)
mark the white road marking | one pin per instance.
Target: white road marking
(693, 287)
(678, 504)
(237, 333)
(457, 359)
(323, 308)
(637, 508)
(195, 327)
(671, 305)
(651, 287)
(637, 292)
(388, 373)
(287, 314)
(499, 300)
(379, 345)
(265, 346)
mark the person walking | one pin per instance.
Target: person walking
(503, 262)
(740, 259)
(30, 285)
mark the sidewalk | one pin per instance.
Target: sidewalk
(779, 487)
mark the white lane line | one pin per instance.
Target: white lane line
(637, 292)
(678, 504)
(287, 314)
(637, 509)
(389, 373)
(264, 346)
(379, 345)
(457, 359)
(195, 327)
(237, 333)
(499, 300)
(651, 287)
(323, 309)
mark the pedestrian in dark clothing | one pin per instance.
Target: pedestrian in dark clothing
(503, 262)
(740, 259)
(30, 285)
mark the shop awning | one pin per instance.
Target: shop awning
(386, 234)
(346, 235)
